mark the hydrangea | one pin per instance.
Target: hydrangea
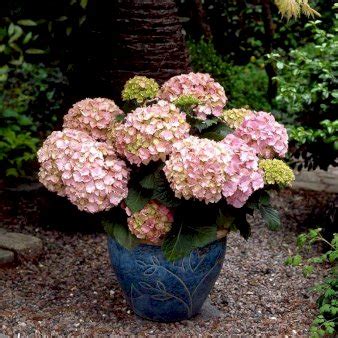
(93, 116)
(86, 171)
(151, 223)
(234, 117)
(186, 101)
(140, 88)
(148, 133)
(197, 169)
(277, 172)
(261, 132)
(244, 175)
(202, 86)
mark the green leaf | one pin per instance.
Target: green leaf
(135, 201)
(83, 3)
(27, 22)
(166, 196)
(120, 117)
(150, 181)
(121, 234)
(184, 238)
(202, 125)
(218, 133)
(12, 172)
(225, 221)
(35, 51)
(270, 216)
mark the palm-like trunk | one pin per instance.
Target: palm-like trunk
(149, 41)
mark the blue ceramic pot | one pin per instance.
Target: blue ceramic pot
(163, 291)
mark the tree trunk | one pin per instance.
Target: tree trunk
(268, 46)
(149, 41)
(198, 20)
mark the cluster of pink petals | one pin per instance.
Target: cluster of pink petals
(148, 133)
(93, 116)
(151, 223)
(202, 86)
(88, 172)
(244, 175)
(197, 169)
(261, 131)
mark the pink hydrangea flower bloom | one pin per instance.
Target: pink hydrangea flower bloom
(93, 116)
(151, 223)
(86, 171)
(202, 86)
(148, 133)
(244, 175)
(261, 132)
(197, 168)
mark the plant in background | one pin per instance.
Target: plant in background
(309, 104)
(294, 8)
(326, 322)
(176, 174)
(26, 114)
(26, 93)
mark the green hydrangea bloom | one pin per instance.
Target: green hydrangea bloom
(234, 117)
(140, 88)
(184, 101)
(277, 172)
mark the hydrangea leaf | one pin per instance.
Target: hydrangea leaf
(121, 234)
(135, 200)
(270, 216)
(184, 238)
(218, 133)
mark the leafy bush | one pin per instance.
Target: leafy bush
(326, 322)
(26, 113)
(245, 85)
(308, 97)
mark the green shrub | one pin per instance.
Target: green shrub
(30, 100)
(244, 85)
(326, 322)
(307, 97)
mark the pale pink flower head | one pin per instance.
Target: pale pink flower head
(148, 133)
(54, 156)
(93, 116)
(202, 86)
(151, 223)
(243, 173)
(197, 168)
(261, 132)
(86, 171)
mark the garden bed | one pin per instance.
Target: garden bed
(72, 290)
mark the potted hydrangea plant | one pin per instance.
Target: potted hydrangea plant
(173, 172)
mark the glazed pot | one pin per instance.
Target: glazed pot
(165, 291)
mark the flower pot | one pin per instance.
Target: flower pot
(164, 291)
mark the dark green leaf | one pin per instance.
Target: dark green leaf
(135, 200)
(120, 117)
(271, 217)
(202, 125)
(183, 238)
(225, 220)
(35, 51)
(121, 234)
(151, 181)
(166, 196)
(218, 133)
(27, 22)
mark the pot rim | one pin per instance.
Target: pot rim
(220, 234)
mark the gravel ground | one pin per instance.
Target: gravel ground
(72, 290)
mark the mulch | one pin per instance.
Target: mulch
(71, 289)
